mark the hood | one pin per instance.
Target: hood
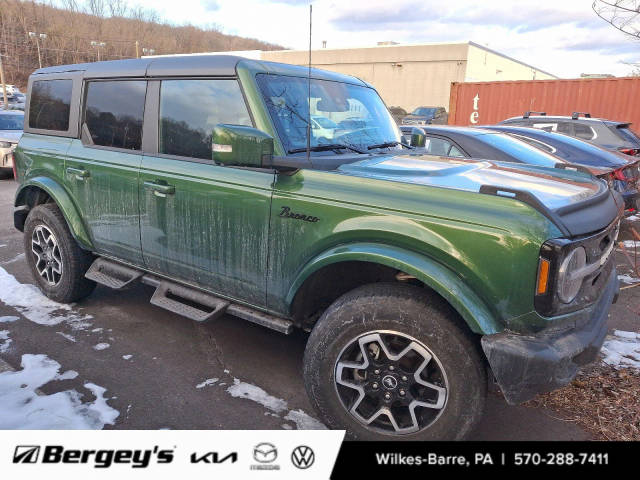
(555, 193)
(12, 136)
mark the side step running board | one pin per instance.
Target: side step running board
(188, 302)
(111, 274)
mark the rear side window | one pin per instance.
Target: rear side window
(583, 131)
(113, 113)
(442, 147)
(189, 109)
(50, 105)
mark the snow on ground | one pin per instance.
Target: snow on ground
(17, 258)
(8, 319)
(71, 338)
(622, 349)
(24, 408)
(127, 357)
(30, 302)
(256, 394)
(101, 346)
(631, 244)
(208, 381)
(628, 279)
(632, 218)
(5, 341)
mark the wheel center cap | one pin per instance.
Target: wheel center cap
(389, 382)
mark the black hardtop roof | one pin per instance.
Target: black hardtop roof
(190, 65)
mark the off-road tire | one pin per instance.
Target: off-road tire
(417, 313)
(72, 285)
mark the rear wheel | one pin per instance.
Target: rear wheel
(57, 262)
(389, 362)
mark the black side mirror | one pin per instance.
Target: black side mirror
(418, 137)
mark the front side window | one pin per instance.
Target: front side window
(114, 111)
(11, 122)
(340, 113)
(190, 109)
(50, 105)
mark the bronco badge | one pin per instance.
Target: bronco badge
(287, 213)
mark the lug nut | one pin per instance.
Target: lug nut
(404, 378)
(375, 385)
(391, 367)
(402, 393)
(376, 371)
(387, 396)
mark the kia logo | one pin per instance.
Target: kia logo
(303, 457)
(26, 454)
(265, 453)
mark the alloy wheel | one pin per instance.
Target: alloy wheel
(48, 260)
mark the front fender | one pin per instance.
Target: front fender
(433, 274)
(63, 200)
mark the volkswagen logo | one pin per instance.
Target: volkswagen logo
(265, 453)
(389, 382)
(303, 457)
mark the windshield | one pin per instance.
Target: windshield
(520, 150)
(426, 112)
(341, 113)
(11, 122)
(628, 134)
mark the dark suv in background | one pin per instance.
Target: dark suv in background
(426, 116)
(606, 133)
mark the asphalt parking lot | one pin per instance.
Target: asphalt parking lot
(164, 371)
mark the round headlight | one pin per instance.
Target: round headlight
(568, 288)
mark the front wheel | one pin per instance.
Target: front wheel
(390, 362)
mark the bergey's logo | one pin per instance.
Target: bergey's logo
(26, 454)
(287, 213)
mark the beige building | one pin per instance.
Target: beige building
(410, 76)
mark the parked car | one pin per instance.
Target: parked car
(398, 113)
(623, 171)
(14, 102)
(426, 116)
(606, 133)
(11, 123)
(11, 89)
(416, 275)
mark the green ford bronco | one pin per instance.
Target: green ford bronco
(284, 196)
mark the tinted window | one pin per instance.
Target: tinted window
(114, 111)
(628, 134)
(437, 146)
(583, 131)
(189, 109)
(565, 128)
(519, 150)
(50, 105)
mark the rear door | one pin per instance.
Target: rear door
(200, 222)
(102, 167)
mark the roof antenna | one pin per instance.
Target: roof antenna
(309, 89)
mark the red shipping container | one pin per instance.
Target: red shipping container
(481, 103)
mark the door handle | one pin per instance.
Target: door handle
(160, 189)
(79, 173)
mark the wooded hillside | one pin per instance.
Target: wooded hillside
(85, 30)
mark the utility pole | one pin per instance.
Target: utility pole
(4, 86)
(98, 46)
(38, 36)
(137, 49)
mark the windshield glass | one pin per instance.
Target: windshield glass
(11, 122)
(628, 134)
(427, 112)
(341, 113)
(520, 150)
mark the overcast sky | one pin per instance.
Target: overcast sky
(564, 37)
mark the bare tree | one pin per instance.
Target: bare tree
(622, 14)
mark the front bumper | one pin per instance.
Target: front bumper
(525, 365)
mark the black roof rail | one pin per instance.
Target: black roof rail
(528, 114)
(576, 115)
(529, 199)
(571, 166)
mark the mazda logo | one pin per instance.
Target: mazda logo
(265, 453)
(390, 382)
(303, 457)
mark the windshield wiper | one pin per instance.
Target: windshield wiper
(393, 143)
(326, 146)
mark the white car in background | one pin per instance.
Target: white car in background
(323, 127)
(11, 125)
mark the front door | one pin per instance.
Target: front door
(101, 169)
(203, 223)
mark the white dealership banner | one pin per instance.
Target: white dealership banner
(158, 454)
